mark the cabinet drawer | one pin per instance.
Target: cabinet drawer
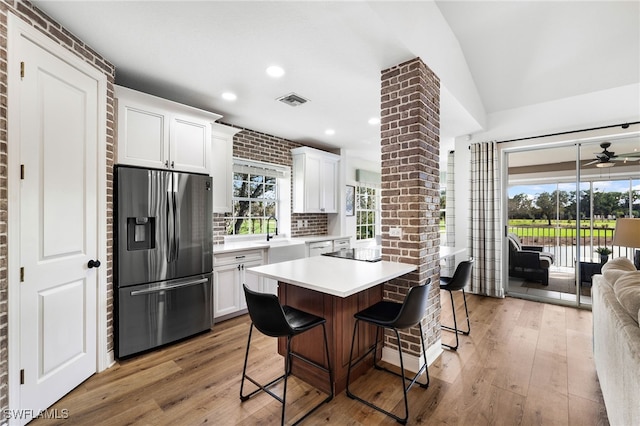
(344, 243)
(237, 257)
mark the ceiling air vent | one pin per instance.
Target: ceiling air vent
(292, 99)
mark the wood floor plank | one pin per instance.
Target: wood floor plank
(585, 412)
(525, 363)
(553, 330)
(551, 372)
(517, 356)
(544, 407)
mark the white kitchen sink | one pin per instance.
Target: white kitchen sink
(282, 253)
(281, 250)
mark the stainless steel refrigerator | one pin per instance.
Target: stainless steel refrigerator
(163, 262)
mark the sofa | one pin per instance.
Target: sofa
(528, 262)
(616, 339)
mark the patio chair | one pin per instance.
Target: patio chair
(528, 262)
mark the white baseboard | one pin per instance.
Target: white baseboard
(107, 361)
(412, 362)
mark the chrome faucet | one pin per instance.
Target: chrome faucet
(268, 221)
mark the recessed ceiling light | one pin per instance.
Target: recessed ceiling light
(228, 96)
(275, 71)
(330, 132)
(374, 120)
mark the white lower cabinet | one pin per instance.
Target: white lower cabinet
(229, 273)
(270, 286)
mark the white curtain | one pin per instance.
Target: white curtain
(485, 237)
(447, 267)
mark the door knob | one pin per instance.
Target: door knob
(93, 263)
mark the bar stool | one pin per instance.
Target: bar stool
(394, 316)
(460, 279)
(275, 320)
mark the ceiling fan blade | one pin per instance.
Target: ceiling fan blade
(630, 154)
(621, 159)
(593, 162)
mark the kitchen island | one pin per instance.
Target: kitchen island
(334, 289)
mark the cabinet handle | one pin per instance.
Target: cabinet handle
(172, 165)
(166, 164)
(240, 257)
(238, 267)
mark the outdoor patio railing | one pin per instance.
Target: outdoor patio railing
(562, 242)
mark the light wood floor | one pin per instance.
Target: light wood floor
(525, 363)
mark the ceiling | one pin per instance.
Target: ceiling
(558, 160)
(489, 56)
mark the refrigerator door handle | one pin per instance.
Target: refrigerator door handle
(160, 288)
(168, 226)
(176, 225)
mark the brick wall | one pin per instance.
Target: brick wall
(410, 194)
(37, 19)
(256, 146)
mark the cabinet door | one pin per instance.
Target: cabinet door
(226, 292)
(329, 180)
(313, 184)
(221, 170)
(253, 281)
(315, 180)
(270, 285)
(190, 145)
(142, 136)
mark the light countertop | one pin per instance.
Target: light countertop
(329, 275)
(262, 243)
(446, 251)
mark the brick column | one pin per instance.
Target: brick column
(410, 128)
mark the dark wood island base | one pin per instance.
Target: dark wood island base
(338, 311)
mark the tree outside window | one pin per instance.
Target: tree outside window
(255, 199)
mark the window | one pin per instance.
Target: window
(366, 212)
(255, 198)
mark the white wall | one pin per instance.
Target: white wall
(351, 165)
(603, 108)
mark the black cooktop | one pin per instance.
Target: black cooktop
(363, 254)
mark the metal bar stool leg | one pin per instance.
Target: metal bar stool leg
(455, 325)
(276, 320)
(261, 387)
(393, 316)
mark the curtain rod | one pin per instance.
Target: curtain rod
(623, 125)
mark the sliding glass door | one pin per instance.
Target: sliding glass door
(563, 200)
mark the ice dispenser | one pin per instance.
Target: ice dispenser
(141, 233)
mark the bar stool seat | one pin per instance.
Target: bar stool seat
(395, 316)
(276, 320)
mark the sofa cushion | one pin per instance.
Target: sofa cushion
(613, 269)
(627, 291)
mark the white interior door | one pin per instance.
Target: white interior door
(58, 226)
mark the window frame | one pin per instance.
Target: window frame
(372, 214)
(269, 174)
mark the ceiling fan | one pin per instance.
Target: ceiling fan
(608, 158)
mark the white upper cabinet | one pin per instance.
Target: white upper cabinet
(222, 166)
(315, 181)
(158, 133)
